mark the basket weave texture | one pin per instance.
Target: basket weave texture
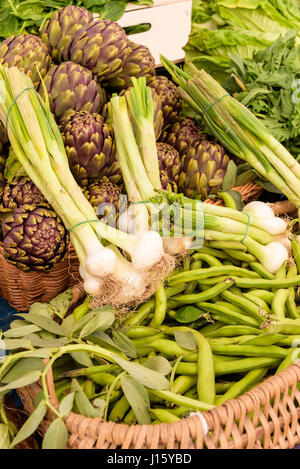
(22, 289)
(266, 417)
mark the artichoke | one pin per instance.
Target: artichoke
(104, 196)
(34, 238)
(72, 88)
(203, 169)
(20, 192)
(139, 63)
(171, 101)
(58, 31)
(158, 120)
(169, 166)
(28, 53)
(182, 135)
(102, 47)
(88, 144)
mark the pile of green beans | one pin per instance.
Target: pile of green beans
(242, 322)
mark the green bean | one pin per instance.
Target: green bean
(261, 270)
(164, 415)
(278, 303)
(240, 387)
(265, 339)
(214, 280)
(227, 367)
(290, 302)
(206, 374)
(160, 307)
(143, 311)
(103, 379)
(130, 418)
(62, 389)
(89, 388)
(296, 252)
(231, 245)
(190, 289)
(222, 387)
(183, 383)
(289, 341)
(231, 261)
(251, 308)
(119, 410)
(213, 252)
(171, 349)
(172, 304)
(205, 295)
(285, 326)
(289, 360)
(281, 272)
(232, 331)
(240, 256)
(258, 301)
(147, 341)
(80, 311)
(230, 340)
(171, 313)
(212, 272)
(137, 332)
(264, 283)
(182, 400)
(264, 295)
(249, 350)
(210, 328)
(208, 259)
(235, 290)
(92, 370)
(196, 265)
(171, 291)
(225, 313)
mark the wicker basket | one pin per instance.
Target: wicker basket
(265, 418)
(22, 289)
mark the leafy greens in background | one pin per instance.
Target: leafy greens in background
(27, 16)
(221, 28)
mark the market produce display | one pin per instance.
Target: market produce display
(184, 303)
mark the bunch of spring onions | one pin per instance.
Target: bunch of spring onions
(132, 120)
(37, 143)
(238, 129)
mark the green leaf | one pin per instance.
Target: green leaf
(60, 304)
(125, 344)
(101, 321)
(149, 378)
(21, 367)
(236, 196)
(100, 405)
(25, 380)
(41, 309)
(82, 358)
(138, 398)
(36, 341)
(4, 436)
(159, 364)
(66, 404)
(45, 323)
(188, 313)
(21, 331)
(56, 436)
(31, 424)
(68, 324)
(229, 180)
(82, 402)
(13, 344)
(186, 339)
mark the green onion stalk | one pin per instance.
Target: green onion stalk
(37, 143)
(131, 119)
(238, 129)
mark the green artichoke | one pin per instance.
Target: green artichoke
(182, 135)
(34, 238)
(203, 169)
(104, 196)
(28, 53)
(89, 145)
(158, 120)
(58, 31)
(169, 166)
(72, 88)
(20, 192)
(139, 63)
(102, 47)
(171, 101)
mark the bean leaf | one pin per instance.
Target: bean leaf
(103, 339)
(31, 424)
(66, 404)
(137, 397)
(88, 317)
(37, 341)
(125, 344)
(13, 344)
(102, 321)
(82, 402)
(56, 436)
(229, 179)
(25, 380)
(45, 323)
(40, 309)
(82, 358)
(60, 304)
(186, 339)
(21, 331)
(150, 378)
(188, 313)
(21, 367)
(159, 364)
